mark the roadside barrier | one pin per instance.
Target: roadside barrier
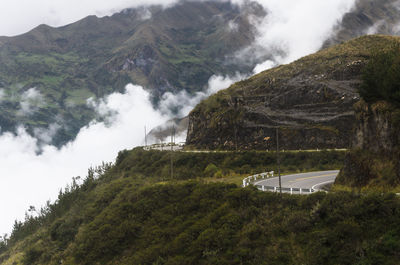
(247, 181)
(250, 180)
(286, 190)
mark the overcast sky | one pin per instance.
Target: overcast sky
(297, 27)
(20, 16)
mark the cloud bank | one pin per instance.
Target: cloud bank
(293, 29)
(28, 178)
(182, 103)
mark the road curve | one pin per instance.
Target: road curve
(310, 180)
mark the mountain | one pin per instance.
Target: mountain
(172, 49)
(310, 101)
(367, 17)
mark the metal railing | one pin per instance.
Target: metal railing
(165, 147)
(247, 181)
(286, 190)
(251, 179)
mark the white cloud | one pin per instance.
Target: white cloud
(31, 178)
(268, 64)
(375, 28)
(30, 101)
(45, 135)
(183, 102)
(28, 178)
(293, 29)
(233, 26)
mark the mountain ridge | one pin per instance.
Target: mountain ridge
(176, 48)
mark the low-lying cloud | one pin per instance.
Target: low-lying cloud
(182, 103)
(293, 29)
(32, 171)
(30, 101)
(28, 178)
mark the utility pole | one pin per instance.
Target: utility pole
(145, 136)
(172, 151)
(278, 160)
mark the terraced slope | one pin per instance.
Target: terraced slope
(310, 101)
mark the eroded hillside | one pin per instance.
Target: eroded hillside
(310, 101)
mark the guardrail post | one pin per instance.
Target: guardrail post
(274, 189)
(300, 191)
(263, 188)
(291, 190)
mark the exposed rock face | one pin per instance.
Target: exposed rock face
(375, 130)
(375, 156)
(310, 101)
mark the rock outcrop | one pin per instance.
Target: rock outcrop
(309, 101)
(374, 160)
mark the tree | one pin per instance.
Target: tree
(381, 77)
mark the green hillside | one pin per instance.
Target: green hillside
(373, 162)
(132, 213)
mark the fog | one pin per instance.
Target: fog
(291, 30)
(27, 178)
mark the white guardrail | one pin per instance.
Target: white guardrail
(251, 179)
(266, 175)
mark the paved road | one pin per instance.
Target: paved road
(311, 180)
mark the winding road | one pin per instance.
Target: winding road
(310, 180)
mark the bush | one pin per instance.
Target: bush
(210, 170)
(381, 77)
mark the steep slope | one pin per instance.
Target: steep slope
(310, 102)
(162, 49)
(125, 215)
(373, 162)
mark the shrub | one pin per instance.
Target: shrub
(381, 77)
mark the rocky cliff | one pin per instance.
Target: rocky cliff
(309, 101)
(374, 160)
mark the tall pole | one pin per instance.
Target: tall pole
(145, 136)
(278, 160)
(172, 150)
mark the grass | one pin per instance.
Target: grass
(79, 96)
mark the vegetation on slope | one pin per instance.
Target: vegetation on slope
(374, 161)
(134, 213)
(311, 101)
(381, 77)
